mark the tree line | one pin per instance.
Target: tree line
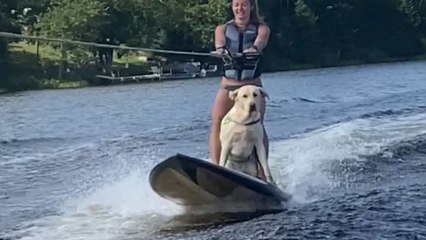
(303, 32)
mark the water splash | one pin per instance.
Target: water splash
(121, 210)
(303, 163)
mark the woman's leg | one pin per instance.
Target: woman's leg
(221, 106)
(265, 135)
(261, 174)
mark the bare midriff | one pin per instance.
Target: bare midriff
(232, 82)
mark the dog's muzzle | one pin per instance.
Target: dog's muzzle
(252, 107)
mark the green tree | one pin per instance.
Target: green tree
(133, 22)
(5, 25)
(335, 25)
(73, 20)
(202, 19)
(412, 9)
(385, 31)
(180, 25)
(27, 14)
(306, 37)
(279, 15)
(416, 13)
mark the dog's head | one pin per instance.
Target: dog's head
(248, 97)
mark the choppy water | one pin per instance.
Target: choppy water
(348, 143)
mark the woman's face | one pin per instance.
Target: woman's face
(241, 10)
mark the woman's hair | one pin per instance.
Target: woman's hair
(254, 14)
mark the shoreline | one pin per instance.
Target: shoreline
(295, 67)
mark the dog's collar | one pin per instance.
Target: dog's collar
(253, 122)
(246, 124)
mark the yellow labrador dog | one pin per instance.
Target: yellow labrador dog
(241, 133)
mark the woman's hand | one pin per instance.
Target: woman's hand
(251, 50)
(221, 50)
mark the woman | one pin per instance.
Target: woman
(245, 33)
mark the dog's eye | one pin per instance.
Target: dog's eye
(254, 94)
(245, 96)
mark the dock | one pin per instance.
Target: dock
(135, 78)
(157, 75)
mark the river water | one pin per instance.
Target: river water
(349, 144)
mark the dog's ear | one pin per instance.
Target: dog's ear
(264, 93)
(233, 94)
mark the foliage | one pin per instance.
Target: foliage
(78, 19)
(303, 32)
(75, 20)
(5, 24)
(202, 18)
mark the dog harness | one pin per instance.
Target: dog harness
(238, 159)
(232, 157)
(236, 42)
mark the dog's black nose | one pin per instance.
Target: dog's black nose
(252, 107)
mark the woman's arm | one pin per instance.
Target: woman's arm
(262, 37)
(219, 37)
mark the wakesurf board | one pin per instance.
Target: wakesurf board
(198, 184)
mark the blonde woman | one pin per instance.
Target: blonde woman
(246, 32)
